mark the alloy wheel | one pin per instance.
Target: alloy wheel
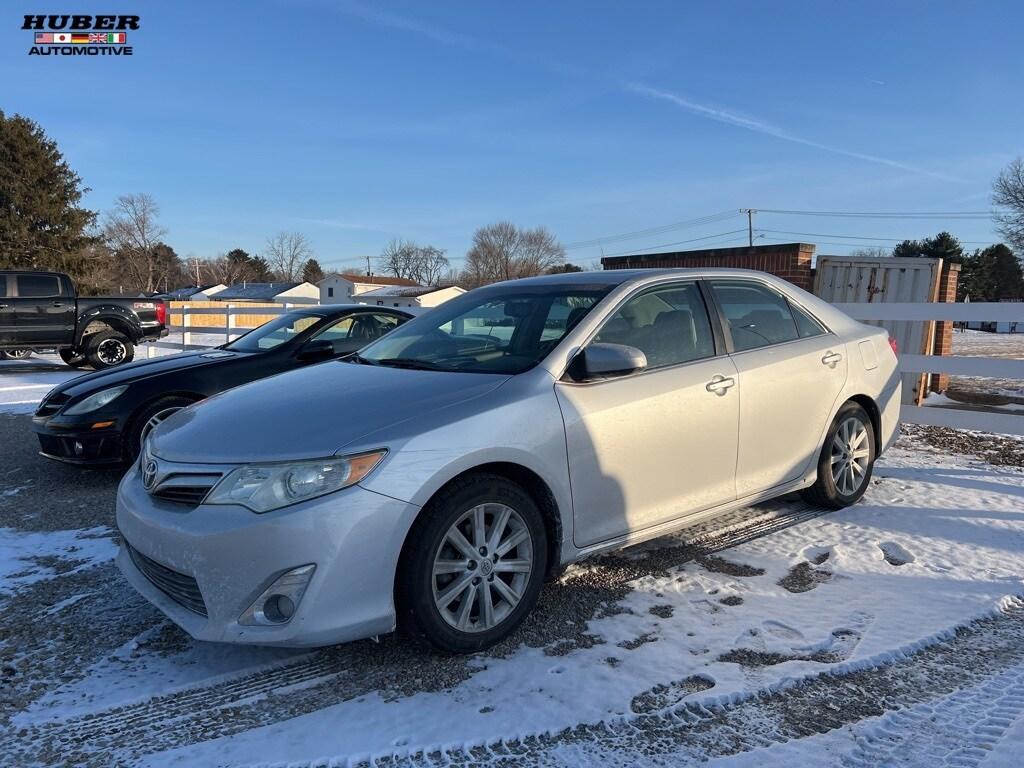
(153, 422)
(482, 567)
(850, 456)
(111, 351)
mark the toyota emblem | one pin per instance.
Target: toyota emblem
(149, 475)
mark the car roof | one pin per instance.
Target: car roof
(614, 277)
(323, 310)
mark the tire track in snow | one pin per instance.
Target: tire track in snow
(976, 668)
(394, 668)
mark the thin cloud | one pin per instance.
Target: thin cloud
(760, 126)
(453, 39)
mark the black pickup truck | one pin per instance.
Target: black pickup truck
(41, 310)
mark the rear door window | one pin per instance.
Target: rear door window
(38, 286)
(756, 315)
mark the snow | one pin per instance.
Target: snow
(938, 541)
(29, 557)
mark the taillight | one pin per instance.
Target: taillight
(895, 348)
(161, 315)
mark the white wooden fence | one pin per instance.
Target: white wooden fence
(956, 365)
(944, 417)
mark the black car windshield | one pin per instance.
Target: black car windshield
(487, 331)
(278, 331)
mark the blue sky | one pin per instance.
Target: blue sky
(356, 123)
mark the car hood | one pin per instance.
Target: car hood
(310, 413)
(121, 374)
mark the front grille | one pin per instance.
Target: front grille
(182, 589)
(52, 404)
(192, 495)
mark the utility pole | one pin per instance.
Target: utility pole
(198, 279)
(750, 224)
(368, 272)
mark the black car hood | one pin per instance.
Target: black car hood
(142, 369)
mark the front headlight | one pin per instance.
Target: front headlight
(97, 401)
(265, 487)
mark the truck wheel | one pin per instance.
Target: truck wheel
(73, 358)
(107, 349)
(16, 354)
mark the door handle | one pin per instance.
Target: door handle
(831, 358)
(4, 306)
(57, 304)
(720, 385)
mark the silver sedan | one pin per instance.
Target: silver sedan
(435, 480)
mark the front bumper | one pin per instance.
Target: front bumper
(354, 537)
(79, 445)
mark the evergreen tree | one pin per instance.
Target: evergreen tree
(943, 245)
(41, 222)
(992, 274)
(312, 272)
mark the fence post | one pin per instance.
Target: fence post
(230, 323)
(186, 325)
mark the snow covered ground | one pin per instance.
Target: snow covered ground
(885, 634)
(981, 344)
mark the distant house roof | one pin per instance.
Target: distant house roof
(373, 279)
(180, 294)
(255, 291)
(404, 291)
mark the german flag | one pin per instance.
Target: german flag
(83, 39)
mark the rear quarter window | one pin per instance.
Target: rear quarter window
(38, 286)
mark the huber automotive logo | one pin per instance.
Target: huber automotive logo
(73, 35)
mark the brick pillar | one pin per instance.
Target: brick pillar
(944, 328)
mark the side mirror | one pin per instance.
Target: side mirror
(602, 361)
(317, 349)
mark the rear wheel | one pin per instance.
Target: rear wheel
(107, 349)
(474, 565)
(73, 358)
(847, 460)
(148, 419)
(16, 354)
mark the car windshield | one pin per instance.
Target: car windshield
(487, 331)
(278, 331)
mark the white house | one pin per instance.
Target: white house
(339, 288)
(406, 296)
(299, 293)
(196, 292)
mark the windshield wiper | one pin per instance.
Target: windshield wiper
(411, 362)
(355, 357)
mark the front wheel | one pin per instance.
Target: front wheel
(847, 460)
(73, 358)
(16, 354)
(148, 419)
(474, 565)
(107, 349)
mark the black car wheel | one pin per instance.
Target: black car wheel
(148, 419)
(474, 565)
(73, 358)
(107, 349)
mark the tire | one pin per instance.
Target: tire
(16, 354)
(108, 349)
(147, 419)
(73, 358)
(464, 625)
(850, 444)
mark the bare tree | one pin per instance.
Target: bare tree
(1008, 194)
(287, 252)
(423, 264)
(874, 252)
(131, 231)
(503, 251)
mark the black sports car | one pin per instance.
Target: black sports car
(104, 417)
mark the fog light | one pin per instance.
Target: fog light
(79, 448)
(278, 602)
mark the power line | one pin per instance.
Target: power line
(697, 222)
(678, 242)
(857, 237)
(886, 214)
